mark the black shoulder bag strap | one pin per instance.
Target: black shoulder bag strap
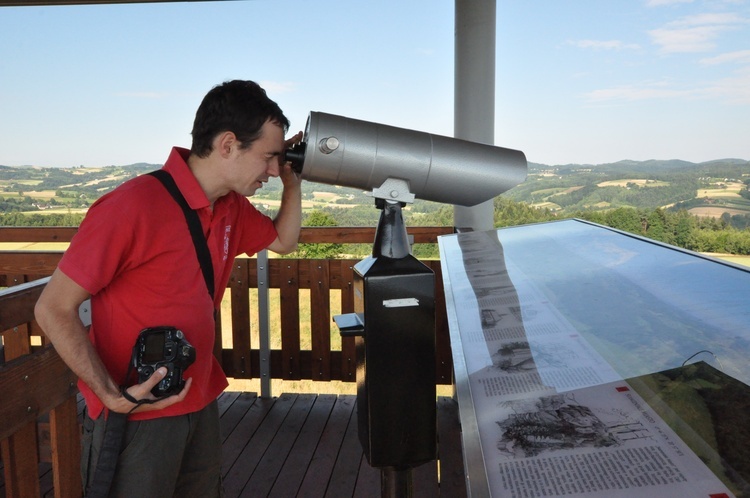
(115, 429)
(194, 224)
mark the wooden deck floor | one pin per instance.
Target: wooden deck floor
(306, 445)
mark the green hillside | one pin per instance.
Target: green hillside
(708, 189)
(702, 207)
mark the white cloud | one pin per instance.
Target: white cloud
(735, 89)
(739, 57)
(603, 44)
(696, 33)
(631, 93)
(717, 19)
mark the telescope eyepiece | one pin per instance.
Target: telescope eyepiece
(295, 155)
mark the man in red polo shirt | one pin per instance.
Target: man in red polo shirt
(134, 257)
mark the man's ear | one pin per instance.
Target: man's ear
(224, 143)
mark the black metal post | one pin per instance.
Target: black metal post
(396, 482)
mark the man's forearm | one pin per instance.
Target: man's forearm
(57, 314)
(70, 339)
(288, 219)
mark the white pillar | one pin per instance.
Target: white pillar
(474, 93)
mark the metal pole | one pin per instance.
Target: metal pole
(396, 483)
(264, 325)
(474, 93)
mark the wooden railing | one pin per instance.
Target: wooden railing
(38, 396)
(36, 386)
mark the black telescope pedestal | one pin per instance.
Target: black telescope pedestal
(394, 327)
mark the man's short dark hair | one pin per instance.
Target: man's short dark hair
(239, 106)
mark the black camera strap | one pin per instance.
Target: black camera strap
(114, 434)
(194, 224)
(116, 422)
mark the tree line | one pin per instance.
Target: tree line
(678, 227)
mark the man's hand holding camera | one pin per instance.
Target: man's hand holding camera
(142, 391)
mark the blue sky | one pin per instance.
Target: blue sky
(578, 81)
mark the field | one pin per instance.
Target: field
(731, 258)
(728, 191)
(715, 212)
(638, 182)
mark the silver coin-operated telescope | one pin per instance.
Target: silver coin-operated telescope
(394, 294)
(398, 164)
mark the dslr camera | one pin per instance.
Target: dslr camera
(162, 347)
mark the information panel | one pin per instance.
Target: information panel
(552, 403)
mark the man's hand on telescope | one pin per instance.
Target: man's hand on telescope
(288, 177)
(289, 217)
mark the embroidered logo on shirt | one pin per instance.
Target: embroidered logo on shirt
(227, 230)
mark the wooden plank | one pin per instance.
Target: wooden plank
(318, 474)
(340, 235)
(366, 235)
(33, 263)
(290, 329)
(450, 452)
(17, 342)
(293, 472)
(46, 480)
(320, 319)
(225, 400)
(268, 469)
(231, 417)
(240, 296)
(368, 481)
(32, 385)
(425, 480)
(307, 234)
(17, 303)
(66, 449)
(317, 451)
(345, 471)
(20, 462)
(14, 278)
(243, 432)
(37, 234)
(348, 348)
(247, 461)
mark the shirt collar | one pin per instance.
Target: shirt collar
(177, 166)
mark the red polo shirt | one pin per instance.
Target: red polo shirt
(134, 254)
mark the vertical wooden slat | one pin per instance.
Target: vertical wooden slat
(240, 293)
(20, 461)
(348, 349)
(320, 319)
(20, 450)
(66, 449)
(290, 340)
(17, 342)
(15, 279)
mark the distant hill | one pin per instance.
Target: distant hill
(710, 188)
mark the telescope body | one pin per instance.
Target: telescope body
(360, 154)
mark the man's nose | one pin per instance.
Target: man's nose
(274, 168)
